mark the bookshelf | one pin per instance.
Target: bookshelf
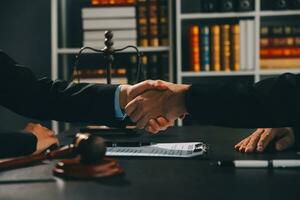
(60, 50)
(257, 15)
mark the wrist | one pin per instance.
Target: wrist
(123, 98)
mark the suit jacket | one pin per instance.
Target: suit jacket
(273, 102)
(45, 99)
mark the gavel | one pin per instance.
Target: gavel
(87, 152)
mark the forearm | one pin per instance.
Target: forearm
(270, 103)
(45, 99)
(14, 144)
(64, 101)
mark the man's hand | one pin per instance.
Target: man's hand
(168, 103)
(159, 124)
(45, 137)
(129, 92)
(260, 139)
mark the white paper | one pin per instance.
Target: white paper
(158, 150)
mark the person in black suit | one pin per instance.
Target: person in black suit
(45, 99)
(273, 102)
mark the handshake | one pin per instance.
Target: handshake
(153, 105)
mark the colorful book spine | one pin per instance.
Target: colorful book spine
(142, 22)
(194, 32)
(287, 52)
(205, 48)
(235, 47)
(280, 46)
(153, 22)
(215, 48)
(112, 2)
(225, 47)
(163, 17)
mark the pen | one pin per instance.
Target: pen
(127, 144)
(260, 163)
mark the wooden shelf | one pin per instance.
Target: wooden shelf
(216, 15)
(142, 49)
(279, 13)
(230, 73)
(278, 71)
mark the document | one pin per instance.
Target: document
(183, 150)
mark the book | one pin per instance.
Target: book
(243, 47)
(205, 48)
(245, 5)
(163, 25)
(153, 71)
(108, 12)
(105, 24)
(280, 47)
(99, 76)
(225, 47)
(209, 6)
(142, 23)
(194, 37)
(280, 63)
(227, 5)
(118, 34)
(250, 58)
(112, 2)
(215, 48)
(153, 22)
(117, 43)
(277, 42)
(235, 47)
(284, 52)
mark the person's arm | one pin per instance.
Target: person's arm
(14, 144)
(260, 139)
(34, 139)
(46, 99)
(272, 102)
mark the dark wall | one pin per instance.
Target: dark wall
(25, 34)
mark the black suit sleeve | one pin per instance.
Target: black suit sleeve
(273, 102)
(14, 144)
(46, 99)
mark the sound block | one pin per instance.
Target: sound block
(73, 169)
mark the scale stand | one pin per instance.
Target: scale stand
(108, 51)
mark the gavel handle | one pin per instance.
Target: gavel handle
(13, 163)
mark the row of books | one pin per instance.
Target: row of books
(222, 47)
(143, 24)
(217, 6)
(153, 66)
(121, 20)
(153, 23)
(280, 4)
(112, 2)
(280, 46)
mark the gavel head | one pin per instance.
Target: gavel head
(90, 148)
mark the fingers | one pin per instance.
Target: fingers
(261, 138)
(238, 145)
(165, 123)
(160, 124)
(244, 144)
(255, 137)
(285, 142)
(142, 87)
(265, 139)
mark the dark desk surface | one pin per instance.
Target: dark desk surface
(165, 178)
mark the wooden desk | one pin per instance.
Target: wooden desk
(166, 178)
